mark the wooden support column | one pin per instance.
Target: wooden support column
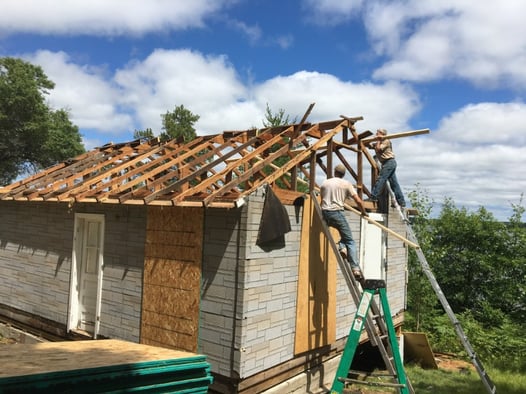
(329, 159)
(312, 175)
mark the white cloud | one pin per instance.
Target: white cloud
(429, 40)
(135, 96)
(93, 101)
(206, 85)
(486, 123)
(432, 40)
(104, 18)
(475, 156)
(389, 105)
(253, 32)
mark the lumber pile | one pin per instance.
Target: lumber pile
(100, 366)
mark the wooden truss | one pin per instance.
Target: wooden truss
(216, 170)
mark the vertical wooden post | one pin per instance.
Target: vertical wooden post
(312, 174)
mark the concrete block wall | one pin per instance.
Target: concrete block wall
(35, 258)
(397, 255)
(248, 305)
(121, 303)
(222, 276)
(269, 306)
(36, 241)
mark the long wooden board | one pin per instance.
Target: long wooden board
(316, 302)
(397, 135)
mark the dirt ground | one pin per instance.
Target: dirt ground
(450, 362)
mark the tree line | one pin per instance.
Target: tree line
(480, 264)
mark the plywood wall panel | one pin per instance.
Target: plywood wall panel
(316, 302)
(172, 277)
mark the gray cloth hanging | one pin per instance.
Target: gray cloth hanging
(275, 220)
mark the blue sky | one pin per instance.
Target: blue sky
(452, 66)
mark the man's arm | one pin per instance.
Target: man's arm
(359, 201)
(380, 144)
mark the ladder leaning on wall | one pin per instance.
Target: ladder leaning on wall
(488, 383)
(377, 333)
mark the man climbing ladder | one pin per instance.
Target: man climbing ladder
(371, 287)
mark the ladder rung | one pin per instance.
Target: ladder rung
(365, 382)
(373, 374)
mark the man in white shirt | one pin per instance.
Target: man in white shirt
(334, 192)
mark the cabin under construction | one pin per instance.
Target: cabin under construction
(211, 246)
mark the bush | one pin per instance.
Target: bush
(502, 345)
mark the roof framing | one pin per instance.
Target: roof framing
(216, 170)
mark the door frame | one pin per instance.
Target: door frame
(373, 248)
(74, 289)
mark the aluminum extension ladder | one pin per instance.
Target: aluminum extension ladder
(376, 333)
(486, 380)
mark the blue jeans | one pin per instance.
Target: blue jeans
(338, 220)
(387, 173)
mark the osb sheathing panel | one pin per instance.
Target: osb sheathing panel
(172, 277)
(316, 306)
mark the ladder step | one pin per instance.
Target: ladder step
(372, 374)
(367, 383)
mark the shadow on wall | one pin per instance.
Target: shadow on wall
(46, 230)
(36, 229)
(221, 244)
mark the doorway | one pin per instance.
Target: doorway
(373, 248)
(86, 274)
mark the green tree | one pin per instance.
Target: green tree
(179, 124)
(63, 141)
(512, 285)
(470, 256)
(32, 135)
(273, 119)
(421, 298)
(480, 264)
(147, 134)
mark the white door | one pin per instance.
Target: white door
(372, 248)
(86, 275)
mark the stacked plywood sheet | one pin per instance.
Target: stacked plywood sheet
(100, 367)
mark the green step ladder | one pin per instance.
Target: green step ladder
(375, 325)
(371, 287)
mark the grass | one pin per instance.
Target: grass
(467, 381)
(439, 381)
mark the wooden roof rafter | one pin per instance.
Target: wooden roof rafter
(228, 145)
(91, 174)
(259, 150)
(214, 171)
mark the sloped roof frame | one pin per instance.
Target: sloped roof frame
(214, 171)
